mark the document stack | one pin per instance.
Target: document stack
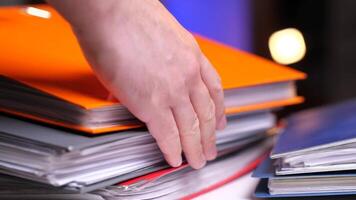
(62, 136)
(314, 156)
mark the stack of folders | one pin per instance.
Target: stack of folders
(171, 183)
(62, 133)
(314, 156)
(76, 162)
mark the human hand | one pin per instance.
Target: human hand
(157, 70)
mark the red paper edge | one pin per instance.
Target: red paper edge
(247, 169)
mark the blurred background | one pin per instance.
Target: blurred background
(321, 43)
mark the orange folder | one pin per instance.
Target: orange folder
(44, 54)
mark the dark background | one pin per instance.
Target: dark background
(328, 26)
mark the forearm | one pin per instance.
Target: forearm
(90, 20)
(83, 13)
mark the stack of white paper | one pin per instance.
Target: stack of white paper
(77, 162)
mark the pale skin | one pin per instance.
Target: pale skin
(155, 67)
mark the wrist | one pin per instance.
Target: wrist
(84, 14)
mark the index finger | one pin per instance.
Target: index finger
(164, 129)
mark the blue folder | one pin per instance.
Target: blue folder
(311, 130)
(318, 128)
(266, 170)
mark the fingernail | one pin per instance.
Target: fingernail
(199, 162)
(212, 153)
(222, 123)
(177, 162)
(200, 165)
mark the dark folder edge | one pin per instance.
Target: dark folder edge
(262, 192)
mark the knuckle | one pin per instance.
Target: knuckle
(144, 114)
(208, 116)
(159, 99)
(181, 89)
(211, 138)
(220, 110)
(171, 137)
(218, 80)
(193, 130)
(192, 68)
(165, 132)
(217, 89)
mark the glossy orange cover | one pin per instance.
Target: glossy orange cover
(44, 54)
(235, 110)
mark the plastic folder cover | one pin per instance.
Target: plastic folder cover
(318, 128)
